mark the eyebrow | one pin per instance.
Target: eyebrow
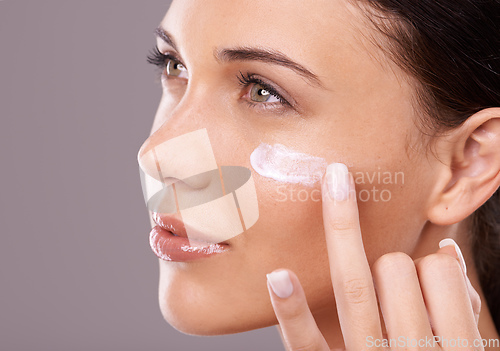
(166, 37)
(251, 54)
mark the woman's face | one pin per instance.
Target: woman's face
(352, 106)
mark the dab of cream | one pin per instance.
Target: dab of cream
(284, 165)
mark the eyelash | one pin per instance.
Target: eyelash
(248, 79)
(159, 59)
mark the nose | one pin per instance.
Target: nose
(186, 162)
(178, 157)
(179, 147)
(180, 175)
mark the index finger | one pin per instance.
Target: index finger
(351, 276)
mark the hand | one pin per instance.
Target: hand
(419, 300)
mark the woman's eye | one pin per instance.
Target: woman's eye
(176, 69)
(258, 93)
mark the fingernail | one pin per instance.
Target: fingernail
(280, 283)
(337, 177)
(448, 241)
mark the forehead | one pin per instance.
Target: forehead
(330, 36)
(260, 21)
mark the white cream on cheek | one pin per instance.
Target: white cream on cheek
(287, 166)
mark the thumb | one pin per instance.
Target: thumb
(298, 327)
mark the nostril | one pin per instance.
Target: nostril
(202, 180)
(182, 168)
(199, 189)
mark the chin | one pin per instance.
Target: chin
(205, 310)
(190, 322)
(209, 321)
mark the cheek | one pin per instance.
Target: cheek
(392, 198)
(290, 235)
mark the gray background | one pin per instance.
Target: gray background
(77, 100)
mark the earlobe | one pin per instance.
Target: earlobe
(473, 170)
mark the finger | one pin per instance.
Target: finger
(475, 300)
(298, 327)
(402, 303)
(450, 247)
(351, 276)
(448, 302)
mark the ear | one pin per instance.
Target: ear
(470, 172)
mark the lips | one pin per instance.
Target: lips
(171, 224)
(169, 241)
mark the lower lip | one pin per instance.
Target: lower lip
(170, 247)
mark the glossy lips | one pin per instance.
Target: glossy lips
(169, 241)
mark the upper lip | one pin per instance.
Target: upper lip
(170, 223)
(176, 226)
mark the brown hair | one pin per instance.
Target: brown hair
(452, 48)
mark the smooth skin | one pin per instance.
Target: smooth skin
(360, 111)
